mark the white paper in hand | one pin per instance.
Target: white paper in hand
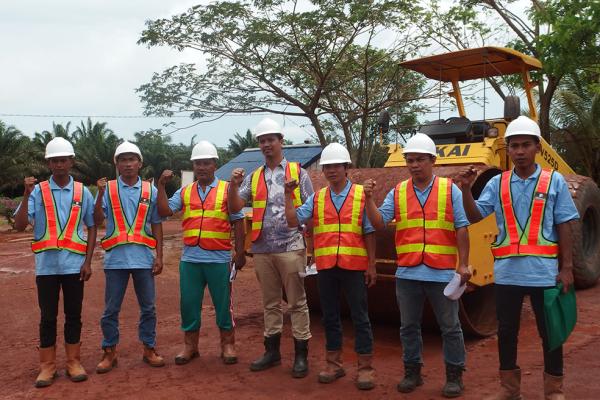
(454, 289)
(309, 270)
(232, 273)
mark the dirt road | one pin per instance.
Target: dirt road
(207, 377)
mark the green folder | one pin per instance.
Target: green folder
(560, 313)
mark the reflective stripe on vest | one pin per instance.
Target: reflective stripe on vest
(425, 234)
(206, 223)
(338, 235)
(530, 241)
(260, 194)
(123, 233)
(68, 239)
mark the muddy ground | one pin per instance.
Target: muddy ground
(207, 377)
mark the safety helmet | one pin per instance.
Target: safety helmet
(335, 153)
(267, 127)
(523, 126)
(59, 147)
(127, 147)
(420, 143)
(204, 150)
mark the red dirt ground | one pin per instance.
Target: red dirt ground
(207, 377)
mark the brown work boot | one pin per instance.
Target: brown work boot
(365, 379)
(228, 346)
(553, 387)
(75, 370)
(109, 360)
(510, 386)
(334, 368)
(47, 367)
(190, 349)
(152, 358)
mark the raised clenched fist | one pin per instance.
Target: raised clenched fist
(237, 176)
(29, 183)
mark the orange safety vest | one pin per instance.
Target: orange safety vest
(68, 238)
(425, 234)
(529, 241)
(260, 194)
(206, 223)
(123, 233)
(338, 235)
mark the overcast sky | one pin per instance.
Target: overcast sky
(68, 57)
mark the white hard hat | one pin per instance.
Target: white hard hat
(420, 143)
(127, 147)
(204, 150)
(59, 147)
(267, 127)
(523, 126)
(335, 153)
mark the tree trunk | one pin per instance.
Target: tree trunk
(545, 102)
(318, 129)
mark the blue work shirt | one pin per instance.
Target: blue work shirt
(196, 254)
(528, 270)
(422, 272)
(130, 256)
(59, 262)
(305, 211)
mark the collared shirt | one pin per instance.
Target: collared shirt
(196, 254)
(422, 272)
(276, 236)
(560, 208)
(59, 262)
(306, 210)
(130, 256)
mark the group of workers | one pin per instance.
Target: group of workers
(532, 206)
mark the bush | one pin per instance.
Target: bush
(8, 207)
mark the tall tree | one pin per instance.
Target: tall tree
(95, 146)
(576, 115)
(14, 160)
(240, 143)
(546, 30)
(267, 56)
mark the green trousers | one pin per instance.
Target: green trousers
(193, 278)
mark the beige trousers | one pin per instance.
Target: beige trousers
(277, 270)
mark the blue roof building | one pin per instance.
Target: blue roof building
(307, 155)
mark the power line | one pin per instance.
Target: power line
(91, 116)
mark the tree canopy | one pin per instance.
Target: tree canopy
(318, 60)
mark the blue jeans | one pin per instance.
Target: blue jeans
(116, 285)
(331, 283)
(411, 295)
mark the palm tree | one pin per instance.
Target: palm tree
(95, 146)
(576, 113)
(14, 156)
(239, 143)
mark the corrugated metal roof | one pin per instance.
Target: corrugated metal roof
(250, 159)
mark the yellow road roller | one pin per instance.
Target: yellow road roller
(460, 142)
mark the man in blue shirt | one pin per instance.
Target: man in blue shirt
(207, 247)
(133, 230)
(58, 209)
(431, 228)
(344, 252)
(520, 270)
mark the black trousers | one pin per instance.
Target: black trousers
(332, 282)
(48, 287)
(509, 301)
